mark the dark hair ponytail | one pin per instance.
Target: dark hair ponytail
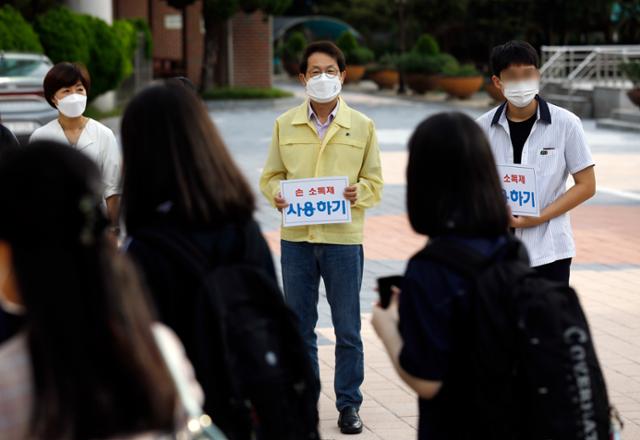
(97, 371)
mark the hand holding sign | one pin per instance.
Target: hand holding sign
(520, 189)
(323, 200)
(351, 194)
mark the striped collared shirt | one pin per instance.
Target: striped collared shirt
(556, 147)
(320, 127)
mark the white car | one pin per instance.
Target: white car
(23, 108)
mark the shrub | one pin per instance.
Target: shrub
(127, 34)
(15, 33)
(460, 71)
(141, 25)
(245, 93)
(294, 47)
(426, 45)
(64, 36)
(106, 56)
(360, 56)
(347, 42)
(386, 62)
(106, 51)
(353, 52)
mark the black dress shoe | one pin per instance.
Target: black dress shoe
(349, 421)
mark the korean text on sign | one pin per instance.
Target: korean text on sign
(520, 190)
(315, 201)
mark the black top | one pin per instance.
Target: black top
(431, 303)
(171, 289)
(174, 291)
(519, 132)
(7, 139)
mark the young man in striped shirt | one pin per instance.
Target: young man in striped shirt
(527, 130)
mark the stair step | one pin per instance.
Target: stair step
(627, 115)
(566, 98)
(618, 124)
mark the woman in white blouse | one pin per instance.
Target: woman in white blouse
(86, 363)
(66, 87)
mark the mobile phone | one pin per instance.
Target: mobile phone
(384, 288)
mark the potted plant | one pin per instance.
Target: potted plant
(357, 56)
(461, 81)
(423, 65)
(385, 72)
(424, 72)
(291, 52)
(631, 70)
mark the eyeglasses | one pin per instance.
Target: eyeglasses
(330, 72)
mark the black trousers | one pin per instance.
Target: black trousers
(559, 271)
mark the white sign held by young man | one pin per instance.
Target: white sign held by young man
(315, 201)
(520, 189)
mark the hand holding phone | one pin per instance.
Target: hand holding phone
(384, 289)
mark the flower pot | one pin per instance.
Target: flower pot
(354, 73)
(421, 83)
(461, 86)
(494, 92)
(634, 96)
(385, 79)
(291, 67)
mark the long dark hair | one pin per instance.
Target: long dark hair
(452, 179)
(97, 371)
(173, 153)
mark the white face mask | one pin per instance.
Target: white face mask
(5, 304)
(323, 88)
(521, 93)
(72, 105)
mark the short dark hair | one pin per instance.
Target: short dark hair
(326, 47)
(513, 52)
(64, 74)
(452, 180)
(173, 152)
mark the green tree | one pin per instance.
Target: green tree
(15, 33)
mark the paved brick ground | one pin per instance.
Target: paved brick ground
(606, 271)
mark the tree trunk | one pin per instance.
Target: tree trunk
(210, 56)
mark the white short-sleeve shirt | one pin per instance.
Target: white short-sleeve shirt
(556, 147)
(96, 141)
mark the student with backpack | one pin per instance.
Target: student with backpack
(188, 212)
(85, 363)
(528, 130)
(492, 349)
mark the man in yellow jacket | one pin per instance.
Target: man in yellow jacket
(324, 137)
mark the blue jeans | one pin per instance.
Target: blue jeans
(340, 266)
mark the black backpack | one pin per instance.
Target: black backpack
(526, 364)
(253, 367)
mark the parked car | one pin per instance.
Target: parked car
(22, 105)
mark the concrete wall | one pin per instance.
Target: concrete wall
(608, 99)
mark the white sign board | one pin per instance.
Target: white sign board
(173, 21)
(520, 189)
(316, 201)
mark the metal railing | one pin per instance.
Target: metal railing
(583, 67)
